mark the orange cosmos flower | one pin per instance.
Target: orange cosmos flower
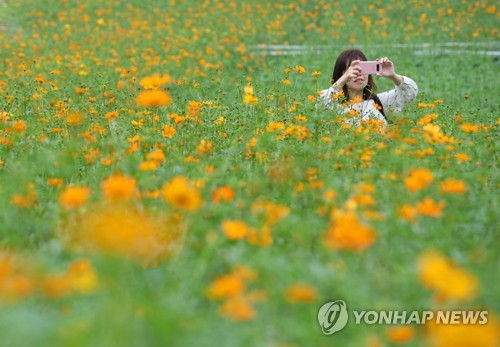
(408, 213)
(154, 98)
(154, 82)
(148, 165)
(235, 230)
(463, 335)
(299, 69)
(399, 335)
(180, 194)
(274, 126)
(449, 281)
(118, 187)
(157, 156)
(348, 233)
(430, 208)
(418, 179)
(19, 126)
(25, 200)
(111, 115)
(81, 277)
(74, 196)
(74, 118)
(205, 147)
(300, 292)
(54, 182)
(462, 157)
(123, 231)
(168, 131)
(250, 99)
(14, 282)
(226, 286)
(469, 128)
(452, 186)
(222, 194)
(237, 309)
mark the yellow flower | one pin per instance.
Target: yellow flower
(180, 194)
(74, 196)
(83, 276)
(250, 99)
(299, 69)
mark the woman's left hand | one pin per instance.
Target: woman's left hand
(387, 67)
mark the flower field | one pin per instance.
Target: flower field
(166, 179)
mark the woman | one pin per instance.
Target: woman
(355, 94)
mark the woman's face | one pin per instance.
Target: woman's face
(358, 83)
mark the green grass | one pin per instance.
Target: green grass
(67, 46)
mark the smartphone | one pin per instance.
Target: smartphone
(370, 67)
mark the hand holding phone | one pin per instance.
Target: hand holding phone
(370, 67)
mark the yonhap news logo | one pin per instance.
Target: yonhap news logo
(334, 315)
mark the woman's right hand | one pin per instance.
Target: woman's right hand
(352, 72)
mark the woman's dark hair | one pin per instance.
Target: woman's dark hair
(344, 60)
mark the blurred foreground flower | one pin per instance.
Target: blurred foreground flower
(347, 232)
(418, 179)
(300, 292)
(154, 82)
(449, 281)
(74, 196)
(154, 98)
(81, 278)
(231, 288)
(14, 281)
(124, 231)
(180, 193)
(118, 187)
(401, 334)
(464, 335)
